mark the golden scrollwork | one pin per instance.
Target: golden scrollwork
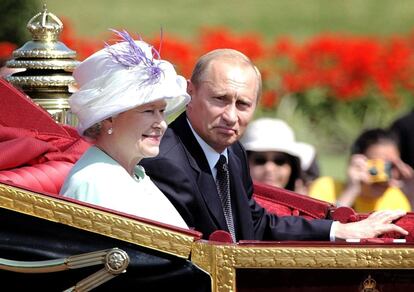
(90, 219)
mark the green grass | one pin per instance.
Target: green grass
(271, 18)
(333, 165)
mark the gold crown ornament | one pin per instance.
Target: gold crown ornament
(43, 66)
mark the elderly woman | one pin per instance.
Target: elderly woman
(125, 93)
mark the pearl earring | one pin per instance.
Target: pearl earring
(110, 131)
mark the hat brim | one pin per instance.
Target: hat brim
(305, 152)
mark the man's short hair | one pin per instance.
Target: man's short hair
(229, 54)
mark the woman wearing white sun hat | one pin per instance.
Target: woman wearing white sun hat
(125, 92)
(275, 157)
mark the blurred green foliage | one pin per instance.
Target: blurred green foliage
(14, 17)
(297, 18)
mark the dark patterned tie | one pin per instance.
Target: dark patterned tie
(223, 188)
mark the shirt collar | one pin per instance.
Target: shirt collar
(211, 154)
(139, 171)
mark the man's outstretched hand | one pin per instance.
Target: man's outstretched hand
(377, 223)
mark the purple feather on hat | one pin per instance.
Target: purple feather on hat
(133, 55)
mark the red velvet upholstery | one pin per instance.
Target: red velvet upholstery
(17, 110)
(47, 177)
(35, 151)
(282, 202)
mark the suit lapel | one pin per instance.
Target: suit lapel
(240, 201)
(205, 180)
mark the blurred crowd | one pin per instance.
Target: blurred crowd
(379, 172)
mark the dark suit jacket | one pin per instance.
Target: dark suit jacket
(182, 172)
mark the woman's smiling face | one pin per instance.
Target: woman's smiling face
(139, 130)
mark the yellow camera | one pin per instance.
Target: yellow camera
(379, 170)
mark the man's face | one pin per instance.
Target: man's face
(223, 103)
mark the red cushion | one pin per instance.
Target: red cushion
(220, 236)
(45, 177)
(19, 111)
(283, 202)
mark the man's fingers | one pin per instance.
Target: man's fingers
(394, 215)
(395, 228)
(377, 215)
(387, 216)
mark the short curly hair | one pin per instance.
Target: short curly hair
(93, 131)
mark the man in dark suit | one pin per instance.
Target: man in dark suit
(225, 87)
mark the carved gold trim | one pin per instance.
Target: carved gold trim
(39, 52)
(222, 260)
(41, 81)
(105, 223)
(62, 64)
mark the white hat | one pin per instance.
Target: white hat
(268, 134)
(121, 77)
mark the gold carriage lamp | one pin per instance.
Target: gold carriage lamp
(44, 66)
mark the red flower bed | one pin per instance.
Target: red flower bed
(347, 67)
(344, 67)
(6, 50)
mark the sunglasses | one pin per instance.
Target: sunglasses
(262, 159)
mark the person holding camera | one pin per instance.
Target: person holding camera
(374, 174)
